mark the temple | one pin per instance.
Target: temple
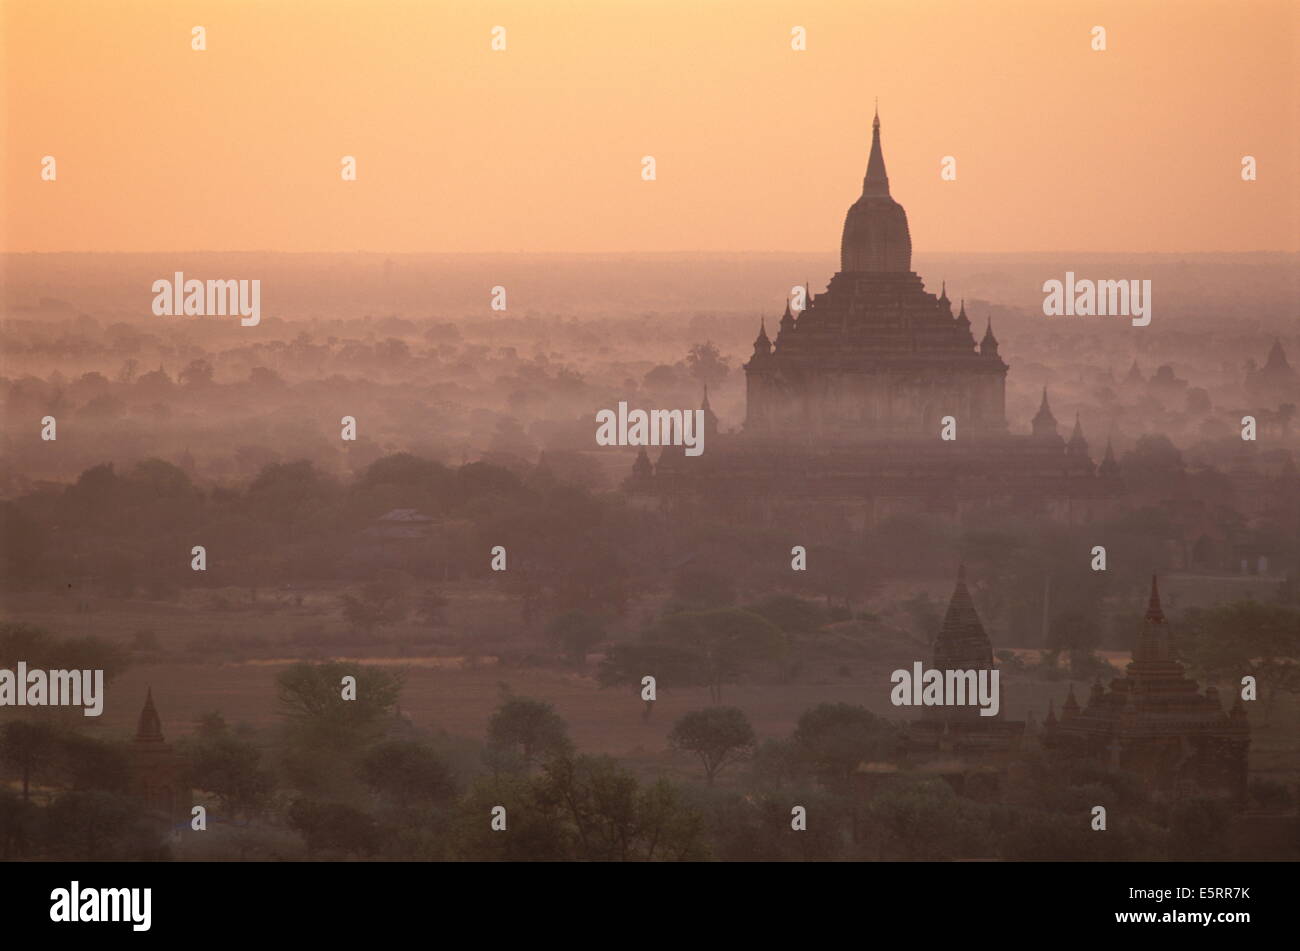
(1155, 721)
(962, 644)
(875, 354)
(875, 399)
(157, 774)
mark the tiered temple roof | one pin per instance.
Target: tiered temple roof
(846, 405)
(1155, 720)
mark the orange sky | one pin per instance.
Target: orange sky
(538, 148)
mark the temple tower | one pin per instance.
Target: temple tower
(157, 774)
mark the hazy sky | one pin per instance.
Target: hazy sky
(538, 148)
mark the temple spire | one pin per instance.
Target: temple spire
(989, 345)
(149, 729)
(1276, 357)
(1071, 706)
(1044, 422)
(762, 345)
(962, 642)
(876, 184)
(1153, 640)
(1078, 445)
(787, 320)
(1155, 614)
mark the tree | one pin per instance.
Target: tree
(39, 648)
(198, 373)
(27, 747)
(379, 604)
(927, 821)
(333, 827)
(792, 615)
(528, 728)
(535, 830)
(576, 632)
(719, 646)
(407, 471)
(1199, 829)
(831, 739)
(229, 767)
(707, 364)
(408, 772)
(86, 763)
(311, 697)
(100, 826)
(625, 665)
(288, 492)
(18, 820)
(606, 815)
(718, 736)
(265, 377)
(1245, 637)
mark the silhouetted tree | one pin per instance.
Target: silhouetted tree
(707, 364)
(26, 747)
(717, 735)
(528, 728)
(408, 772)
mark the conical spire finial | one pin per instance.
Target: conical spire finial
(762, 345)
(1044, 423)
(149, 728)
(1071, 705)
(876, 184)
(1154, 611)
(989, 345)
